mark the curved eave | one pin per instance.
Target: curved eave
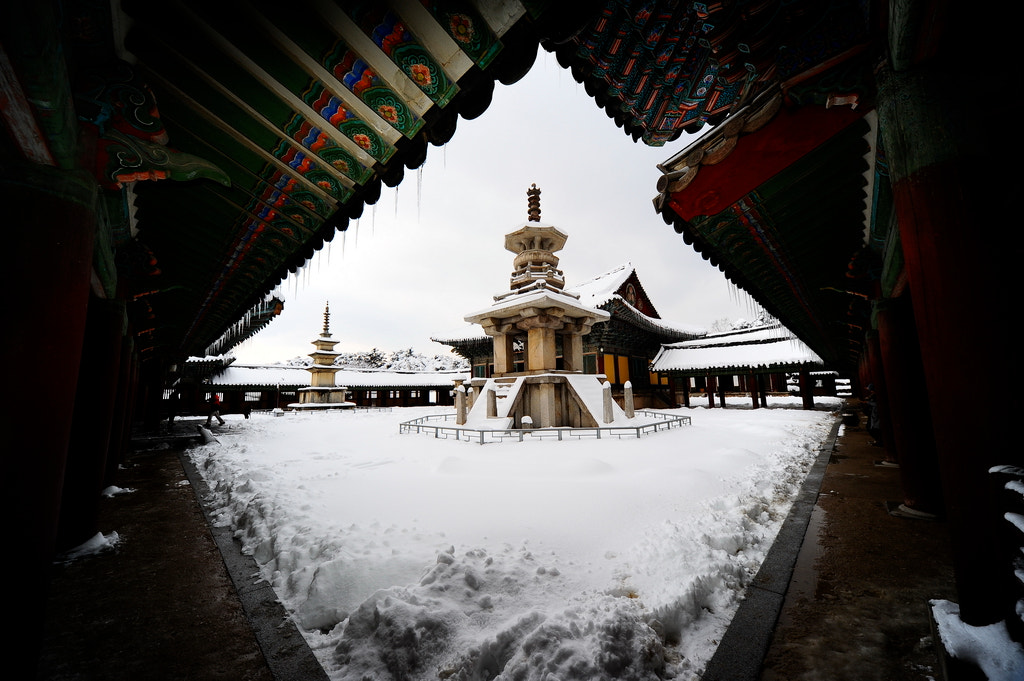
(237, 88)
(790, 235)
(662, 331)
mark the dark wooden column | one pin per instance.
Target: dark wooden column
(151, 394)
(710, 387)
(880, 389)
(121, 427)
(51, 220)
(91, 425)
(806, 388)
(953, 196)
(754, 389)
(761, 389)
(911, 423)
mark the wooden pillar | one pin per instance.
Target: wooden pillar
(762, 391)
(150, 395)
(686, 391)
(806, 388)
(953, 196)
(52, 219)
(121, 427)
(90, 432)
(881, 390)
(711, 391)
(911, 423)
(752, 386)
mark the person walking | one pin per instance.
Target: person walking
(214, 410)
(172, 410)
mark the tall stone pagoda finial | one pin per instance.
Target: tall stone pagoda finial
(327, 320)
(533, 211)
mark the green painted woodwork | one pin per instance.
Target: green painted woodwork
(468, 29)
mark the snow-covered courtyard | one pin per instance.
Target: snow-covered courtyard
(407, 557)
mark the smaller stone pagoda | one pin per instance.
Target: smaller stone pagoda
(322, 393)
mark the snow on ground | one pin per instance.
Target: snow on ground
(403, 556)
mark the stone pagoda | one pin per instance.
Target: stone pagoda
(538, 314)
(322, 393)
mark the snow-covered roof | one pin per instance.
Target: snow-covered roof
(764, 347)
(601, 289)
(274, 375)
(596, 292)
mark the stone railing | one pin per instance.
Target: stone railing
(443, 426)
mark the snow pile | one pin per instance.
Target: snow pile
(114, 490)
(98, 543)
(407, 557)
(989, 648)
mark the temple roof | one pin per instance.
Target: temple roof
(273, 376)
(605, 292)
(235, 139)
(786, 213)
(771, 348)
(660, 68)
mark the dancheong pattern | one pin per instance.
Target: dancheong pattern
(337, 114)
(356, 75)
(392, 36)
(468, 29)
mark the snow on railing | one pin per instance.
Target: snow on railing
(424, 424)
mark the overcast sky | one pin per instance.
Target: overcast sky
(432, 250)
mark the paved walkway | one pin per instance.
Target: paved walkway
(857, 605)
(177, 601)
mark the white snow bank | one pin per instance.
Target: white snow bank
(990, 648)
(403, 556)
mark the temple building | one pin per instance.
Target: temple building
(756, 360)
(245, 388)
(169, 165)
(620, 349)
